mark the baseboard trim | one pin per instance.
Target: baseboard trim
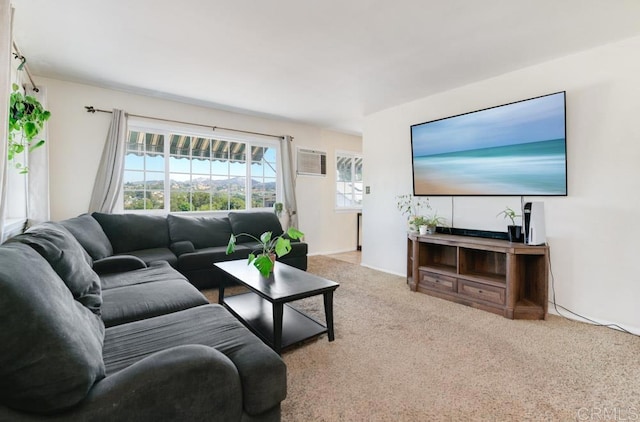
(382, 270)
(595, 321)
(332, 252)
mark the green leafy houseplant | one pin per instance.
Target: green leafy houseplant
(435, 220)
(420, 221)
(510, 214)
(270, 246)
(514, 231)
(26, 120)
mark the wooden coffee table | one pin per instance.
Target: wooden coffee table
(265, 309)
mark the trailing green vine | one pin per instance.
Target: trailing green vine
(26, 120)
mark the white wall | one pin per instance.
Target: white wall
(592, 232)
(76, 139)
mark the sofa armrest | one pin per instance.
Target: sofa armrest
(182, 247)
(191, 382)
(118, 264)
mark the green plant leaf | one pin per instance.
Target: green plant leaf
(231, 246)
(30, 130)
(294, 233)
(251, 258)
(265, 238)
(263, 264)
(37, 145)
(283, 247)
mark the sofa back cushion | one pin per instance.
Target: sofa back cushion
(68, 259)
(203, 232)
(90, 235)
(51, 350)
(133, 232)
(254, 223)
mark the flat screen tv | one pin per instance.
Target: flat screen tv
(516, 149)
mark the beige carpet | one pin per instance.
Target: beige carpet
(404, 356)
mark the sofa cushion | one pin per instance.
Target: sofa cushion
(90, 235)
(134, 232)
(155, 254)
(203, 232)
(205, 258)
(262, 372)
(254, 223)
(69, 260)
(147, 300)
(159, 270)
(182, 247)
(51, 350)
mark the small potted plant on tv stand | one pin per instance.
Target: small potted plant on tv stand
(433, 221)
(514, 231)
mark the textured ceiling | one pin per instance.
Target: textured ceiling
(328, 63)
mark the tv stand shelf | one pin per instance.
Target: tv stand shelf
(509, 279)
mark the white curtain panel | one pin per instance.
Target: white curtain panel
(5, 89)
(289, 182)
(106, 190)
(38, 210)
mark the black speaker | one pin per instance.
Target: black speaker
(526, 212)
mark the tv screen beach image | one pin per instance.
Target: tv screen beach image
(516, 149)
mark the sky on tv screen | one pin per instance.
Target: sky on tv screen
(515, 149)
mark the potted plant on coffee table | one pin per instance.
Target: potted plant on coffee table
(514, 231)
(263, 258)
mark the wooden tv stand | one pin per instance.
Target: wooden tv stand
(509, 279)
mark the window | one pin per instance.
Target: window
(178, 171)
(348, 180)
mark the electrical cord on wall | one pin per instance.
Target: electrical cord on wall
(556, 306)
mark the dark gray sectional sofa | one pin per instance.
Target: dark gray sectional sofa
(94, 328)
(190, 244)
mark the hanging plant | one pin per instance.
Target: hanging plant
(26, 120)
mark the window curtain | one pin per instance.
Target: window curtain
(289, 182)
(5, 89)
(106, 189)
(38, 176)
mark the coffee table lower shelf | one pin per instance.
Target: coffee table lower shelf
(257, 314)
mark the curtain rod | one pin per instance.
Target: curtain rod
(23, 66)
(91, 109)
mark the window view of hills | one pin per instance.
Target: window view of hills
(199, 194)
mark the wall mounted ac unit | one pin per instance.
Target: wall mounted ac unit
(311, 162)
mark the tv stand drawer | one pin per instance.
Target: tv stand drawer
(437, 281)
(482, 292)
